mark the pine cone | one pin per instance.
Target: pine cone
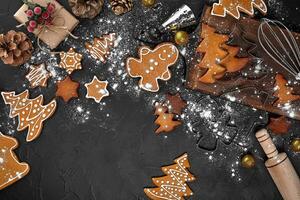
(121, 6)
(15, 48)
(86, 8)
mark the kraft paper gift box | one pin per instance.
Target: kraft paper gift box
(63, 23)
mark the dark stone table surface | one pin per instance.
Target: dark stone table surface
(109, 151)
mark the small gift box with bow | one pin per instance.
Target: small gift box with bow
(48, 20)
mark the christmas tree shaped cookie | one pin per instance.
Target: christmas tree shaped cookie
(218, 58)
(164, 119)
(172, 186)
(100, 49)
(31, 113)
(234, 7)
(11, 170)
(283, 92)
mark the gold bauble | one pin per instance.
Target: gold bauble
(295, 145)
(248, 161)
(148, 3)
(181, 37)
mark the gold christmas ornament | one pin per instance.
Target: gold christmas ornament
(181, 37)
(248, 161)
(295, 145)
(148, 3)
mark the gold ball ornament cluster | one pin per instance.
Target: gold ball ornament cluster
(248, 161)
(181, 37)
(148, 3)
(295, 145)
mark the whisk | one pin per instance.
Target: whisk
(279, 43)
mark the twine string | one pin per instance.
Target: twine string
(52, 27)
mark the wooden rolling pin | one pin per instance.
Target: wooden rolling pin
(280, 168)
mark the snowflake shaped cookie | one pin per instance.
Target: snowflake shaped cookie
(70, 60)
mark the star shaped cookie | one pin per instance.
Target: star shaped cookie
(67, 89)
(96, 89)
(70, 60)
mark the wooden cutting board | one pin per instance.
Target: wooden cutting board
(254, 84)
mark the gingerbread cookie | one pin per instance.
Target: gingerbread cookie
(234, 7)
(100, 48)
(218, 57)
(279, 125)
(38, 75)
(177, 104)
(11, 170)
(96, 89)
(67, 89)
(164, 119)
(173, 185)
(70, 61)
(283, 91)
(31, 113)
(153, 65)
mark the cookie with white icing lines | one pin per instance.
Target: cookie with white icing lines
(11, 170)
(153, 65)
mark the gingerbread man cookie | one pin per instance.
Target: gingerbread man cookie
(11, 170)
(70, 61)
(153, 65)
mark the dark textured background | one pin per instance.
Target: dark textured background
(115, 157)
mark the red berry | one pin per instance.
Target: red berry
(37, 10)
(50, 8)
(45, 15)
(29, 13)
(40, 20)
(30, 29)
(32, 23)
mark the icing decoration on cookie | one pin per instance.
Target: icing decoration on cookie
(31, 113)
(70, 60)
(153, 65)
(218, 57)
(96, 89)
(11, 170)
(38, 75)
(177, 103)
(172, 186)
(283, 92)
(234, 7)
(100, 48)
(164, 119)
(67, 89)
